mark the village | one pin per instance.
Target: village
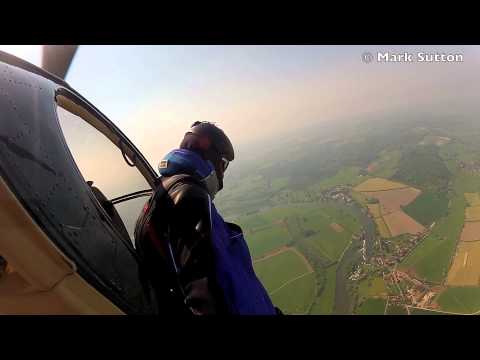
(388, 254)
(471, 167)
(338, 193)
(411, 290)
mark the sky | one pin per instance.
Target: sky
(153, 93)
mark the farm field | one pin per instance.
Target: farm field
(360, 198)
(347, 176)
(344, 216)
(423, 167)
(431, 259)
(395, 182)
(286, 273)
(280, 183)
(372, 307)
(374, 287)
(400, 223)
(326, 247)
(336, 227)
(470, 231)
(374, 210)
(273, 276)
(379, 184)
(382, 228)
(386, 165)
(428, 207)
(396, 310)
(393, 200)
(473, 199)
(463, 300)
(304, 290)
(388, 215)
(266, 240)
(323, 304)
(417, 311)
(250, 223)
(465, 270)
(472, 213)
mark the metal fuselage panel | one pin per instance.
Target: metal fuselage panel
(36, 165)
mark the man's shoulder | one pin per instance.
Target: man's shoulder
(185, 189)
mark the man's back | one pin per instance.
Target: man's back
(209, 257)
(177, 215)
(191, 244)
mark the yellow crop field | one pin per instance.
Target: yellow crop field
(472, 213)
(378, 184)
(382, 228)
(374, 210)
(465, 270)
(473, 199)
(359, 197)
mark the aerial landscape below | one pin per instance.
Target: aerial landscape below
(383, 221)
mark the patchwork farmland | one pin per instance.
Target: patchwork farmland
(465, 269)
(387, 212)
(384, 224)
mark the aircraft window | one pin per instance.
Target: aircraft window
(103, 165)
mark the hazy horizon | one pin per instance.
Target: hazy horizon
(255, 93)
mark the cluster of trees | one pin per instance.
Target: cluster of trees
(424, 168)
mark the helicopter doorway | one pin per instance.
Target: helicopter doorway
(105, 164)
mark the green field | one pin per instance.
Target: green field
(297, 296)
(254, 221)
(414, 311)
(274, 271)
(431, 258)
(428, 207)
(422, 167)
(281, 212)
(456, 150)
(464, 300)
(347, 176)
(372, 307)
(279, 183)
(242, 197)
(372, 287)
(259, 221)
(278, 200)
(344, 216)
(264, 241)
(320, 235)
(396, 310)
(327, 245)
(310, 223)
(288, 280)
(324, 304)
(467, 183)
(387, 164)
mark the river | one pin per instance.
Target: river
(344, 301)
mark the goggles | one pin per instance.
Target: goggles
(225, 163)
